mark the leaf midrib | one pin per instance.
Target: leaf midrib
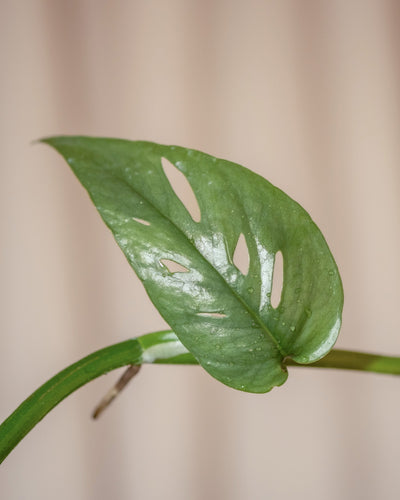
(233, 291)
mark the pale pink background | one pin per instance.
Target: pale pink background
(306, 93)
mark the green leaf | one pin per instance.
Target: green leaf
(222, 316)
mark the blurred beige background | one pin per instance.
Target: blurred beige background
(306, 93)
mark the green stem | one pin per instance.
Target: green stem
(159, 347)
(353, 360)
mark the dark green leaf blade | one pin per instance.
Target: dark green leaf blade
(223, 317)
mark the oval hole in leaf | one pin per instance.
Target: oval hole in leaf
(182, 189)
(212, 315)
(141, 221)
(241, 257)
(173, 267)
(277, 280)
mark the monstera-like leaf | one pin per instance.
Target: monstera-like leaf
(222, 315)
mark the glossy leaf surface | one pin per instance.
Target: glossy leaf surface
(222, 316)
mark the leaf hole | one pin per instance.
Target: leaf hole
(212, 315)
(141, 221)
(241, 257)
(173, 267)
(182, 189)
(277, 280)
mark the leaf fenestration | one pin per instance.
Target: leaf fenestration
(173, 267)
(182, 189)
(241, 257)
(277, 280)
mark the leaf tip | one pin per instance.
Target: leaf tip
(50, 140)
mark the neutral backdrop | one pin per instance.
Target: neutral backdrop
(306, 93)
